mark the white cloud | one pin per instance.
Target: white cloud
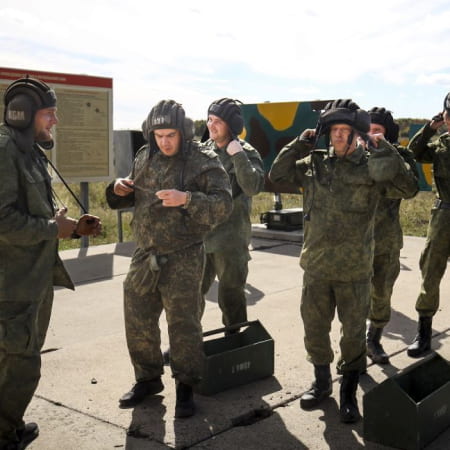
(196, 51)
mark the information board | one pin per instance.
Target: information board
(83, 150)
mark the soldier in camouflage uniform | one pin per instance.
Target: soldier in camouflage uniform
(179, 192)
(342, 186)
(434, 258)
(30, 227)
(227, 253)
(388, 242)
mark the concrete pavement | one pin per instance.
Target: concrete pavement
(86, 368)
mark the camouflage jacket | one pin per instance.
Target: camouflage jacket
(168, 229)
(246, 172)
(388, 230)
(436, 152)
(29, 260)
(341, 196)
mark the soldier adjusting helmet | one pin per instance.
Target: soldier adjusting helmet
(343, 111)
(383, 117)
(230, 112)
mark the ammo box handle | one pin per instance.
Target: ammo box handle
(230, 328)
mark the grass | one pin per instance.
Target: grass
(414, 213)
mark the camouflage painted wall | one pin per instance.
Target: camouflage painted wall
(270, 126)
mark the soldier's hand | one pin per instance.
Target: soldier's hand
(376, 138)
(66, 225)
(234, 147)
(172, 197)
(437, 121)
(308, 135)
(88, 225)
(123, 187)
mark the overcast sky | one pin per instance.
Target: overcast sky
(391, 53)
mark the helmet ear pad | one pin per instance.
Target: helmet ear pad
(20, 111)
(23, 98)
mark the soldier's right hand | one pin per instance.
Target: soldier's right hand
(66, 225)
(123, 187)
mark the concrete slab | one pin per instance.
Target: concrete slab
(86, 366)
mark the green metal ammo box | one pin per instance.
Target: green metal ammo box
(237, 358)
(411, 408)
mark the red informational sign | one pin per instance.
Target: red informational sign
(83, 150)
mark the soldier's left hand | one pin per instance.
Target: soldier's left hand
(234, 147)
(172, 197)
(88, 225)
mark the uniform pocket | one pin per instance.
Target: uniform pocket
(16, 325)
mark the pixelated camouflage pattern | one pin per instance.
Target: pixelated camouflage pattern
(29, 267)
(388, 242)
(167, 267)
(340, 200)
(168, 229)
(320, 299)
(434, 257)
(174, 287)
(227, 244)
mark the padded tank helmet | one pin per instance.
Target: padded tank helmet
(382, 116)
(343, 111)
(23, 98)
(230, 112)
(167, 114)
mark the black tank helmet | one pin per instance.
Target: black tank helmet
(383, 117)
(167, 114)
(447, 103)
(23, 98)
(230, 112)
(343, 111)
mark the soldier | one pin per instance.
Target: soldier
(179, 193)
(227, 253)
(342, 186)
(388, 241)
(434, 257)
(30, 226)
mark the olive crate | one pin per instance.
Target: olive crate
(411, 408)
(241, 354)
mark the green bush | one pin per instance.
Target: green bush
(414, 212)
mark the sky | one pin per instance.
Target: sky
(389, 53)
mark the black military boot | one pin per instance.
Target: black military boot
(184, 406)
(422, 342)
(375, 350)
(348, 409)
(139, 391)
(27, 435)
(320, 389)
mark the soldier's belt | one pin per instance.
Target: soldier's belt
(439, 204)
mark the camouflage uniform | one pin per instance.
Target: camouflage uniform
(341, 196)
(388, 243)
(167, 266)
(433, 260)
(227, 253)
(29, 268)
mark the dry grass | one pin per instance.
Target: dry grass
(414, 212)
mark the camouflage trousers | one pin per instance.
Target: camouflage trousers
(433, 261)
(320, 299)
(231, 270)
(386, 269)
(171, 283)
(23, 326)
